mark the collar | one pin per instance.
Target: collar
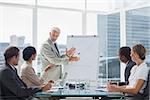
(127, 62)
(141, 64)
(51, 40)
(12, 67)
(28, 64)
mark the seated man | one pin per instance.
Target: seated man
(124, 56)
(11, 86)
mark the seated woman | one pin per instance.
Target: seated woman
(28, 74)
(138, 76)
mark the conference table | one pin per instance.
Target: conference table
(92, 92)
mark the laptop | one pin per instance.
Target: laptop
(59, 84)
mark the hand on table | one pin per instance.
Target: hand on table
(47, 86)
(112, 87)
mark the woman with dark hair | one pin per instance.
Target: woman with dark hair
(138, 76)
(28, 74)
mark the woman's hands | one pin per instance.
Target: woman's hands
(113, 87)
(49, 67)
(47, 86)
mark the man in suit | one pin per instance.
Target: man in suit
(50, 55)
(124, 56)
(11, 86)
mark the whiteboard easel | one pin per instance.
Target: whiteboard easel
(87, 48)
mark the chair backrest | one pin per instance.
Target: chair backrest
(144, 95)
(146, 89)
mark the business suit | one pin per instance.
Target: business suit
(128, 68)
(12, 87)
(50, 55)
(29, 77)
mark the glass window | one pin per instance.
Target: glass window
(15, 28)
(109, 33)
(138, 27)
(75, 4)
(69, 22)
(31, 2)
(129, 3)
(15, 22)
(101, 5)
(112, 5)
(91, 24)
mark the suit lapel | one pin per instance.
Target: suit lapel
(53, 47)
(17, 77)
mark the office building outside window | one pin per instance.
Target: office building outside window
(138, 27)
(109, 32)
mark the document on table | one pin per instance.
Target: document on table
(55, 88)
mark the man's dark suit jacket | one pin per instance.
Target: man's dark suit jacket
(128, 68)
(12, 87)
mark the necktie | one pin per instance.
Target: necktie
(56, 47)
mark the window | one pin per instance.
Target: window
(15, 28)
(91, 24)
(71, 4)
(31, 2)
(109, 33)
(69, 22)
(15, 21)
(138, 27)
(101, 5)
(17, 25)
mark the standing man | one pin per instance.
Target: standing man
(124, 56)
(50, 55)
(11, 86)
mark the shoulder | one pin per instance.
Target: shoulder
(143, 71)
(133, 69)
(46, 44)
(144, 67)
(25, 68)
(28, 68)
(6, 71)
(131, 63)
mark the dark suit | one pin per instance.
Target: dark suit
(128, 68)
(12, 87)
